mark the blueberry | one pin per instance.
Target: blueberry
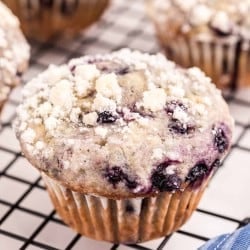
(197, 172)
(173, 182)
(106, 117)
(161, 167)
(175, 126)
(216, 164)
(220, 139)
(171, 106)
(107, 66)
(163, 181)
(130, 184)
(114, 175)
(122, 70)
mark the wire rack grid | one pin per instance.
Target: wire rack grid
(27, 218)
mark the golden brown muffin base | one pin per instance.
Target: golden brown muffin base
(47, 23)
(107, 219)
(227, 65)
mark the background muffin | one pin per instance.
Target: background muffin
(126, 142)
(14, 53)
(45, 19)
(213, 35)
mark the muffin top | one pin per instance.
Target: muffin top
(208, 19)
(14, 52)
(124, 124)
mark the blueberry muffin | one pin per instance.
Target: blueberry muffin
(214, 35)
(45, 19)
(14, 53)
(126, 142)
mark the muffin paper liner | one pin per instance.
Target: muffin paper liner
(126, 220)
(228, 64)
(45, 22)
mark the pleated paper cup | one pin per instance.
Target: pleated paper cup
(127, 220)
(45, 20)
(227, 63)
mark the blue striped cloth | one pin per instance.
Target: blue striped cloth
(238, 240)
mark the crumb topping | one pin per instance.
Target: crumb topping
(112, 119)
(222, 19)
(14, 52)
(154, 99)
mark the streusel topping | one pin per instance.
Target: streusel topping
(115, 123)
(223, 19)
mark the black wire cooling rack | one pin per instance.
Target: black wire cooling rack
(27, 218)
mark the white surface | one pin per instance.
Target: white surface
(19, 169)
(11, 190)
(21, 223)
(55, 235)
(226, 195)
